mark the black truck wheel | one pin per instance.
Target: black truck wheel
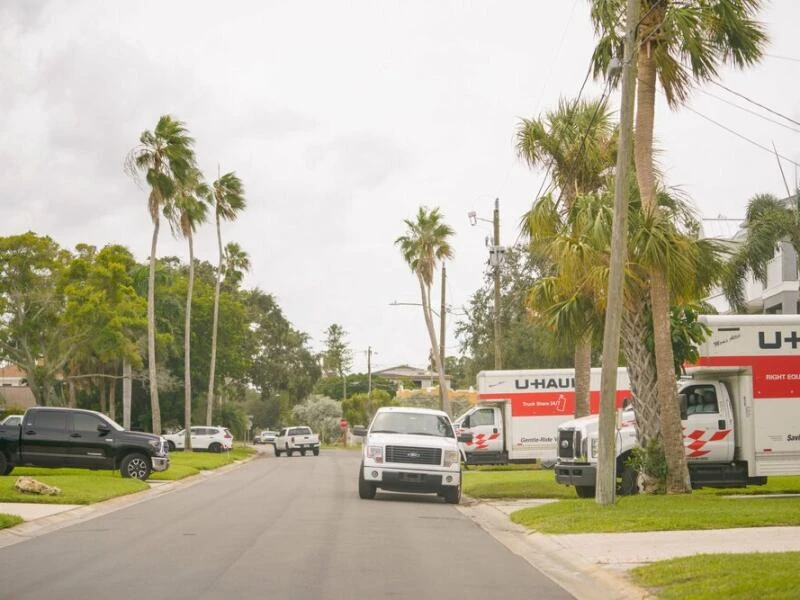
(366, 490)
(316, 451)
(585, 491)
(5, 466)
(135, 466)
(452, 495)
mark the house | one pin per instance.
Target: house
(13, 389)
(403, 376)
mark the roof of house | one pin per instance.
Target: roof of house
(408, 372)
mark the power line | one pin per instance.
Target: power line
(767, 108)
(790, 58)
(747, 110)
(739, 135)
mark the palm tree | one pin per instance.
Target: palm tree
(578, 142)
(164, 156)
(235, 264)
(185, 213)
(426, 242)
(680, 44)
(227, 197)
(769, 221)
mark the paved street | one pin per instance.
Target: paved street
(273, 528)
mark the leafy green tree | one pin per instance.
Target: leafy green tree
(337, 358)
(680, 44)
(425, 244)
(526, 344)
(577, 141)
(166, 157)
(33, 334)
(322, 414)
(227, 198)
(359, 409)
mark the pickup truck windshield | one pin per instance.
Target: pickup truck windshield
(412, 423)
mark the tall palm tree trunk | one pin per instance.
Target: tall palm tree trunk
(112, 396)
(444, 400)
(187, 339)
(155, 409)
(213, 366)
(127, 393)
(583, 373)
(672, 436)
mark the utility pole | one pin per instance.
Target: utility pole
(444, 390)
(495, 260)
(369, 380)
(606, 476)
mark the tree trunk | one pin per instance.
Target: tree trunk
(213, 365)
(187, 339)
(101, 384)
(73, 401)
(583, 373)
(127, 393)
(671, 433)
(444, 400)
(155, 409)
(112, 396)
(641, 369)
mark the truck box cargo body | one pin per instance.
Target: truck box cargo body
(740, 409)
(518, 413)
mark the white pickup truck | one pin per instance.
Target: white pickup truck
(299, 438)
(411, 450)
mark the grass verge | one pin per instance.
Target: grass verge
(83, 486)
(516, 482)
(713, 576)
(660, 513)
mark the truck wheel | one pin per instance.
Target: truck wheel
(585, 491)
(5, 466)
(289, 452)
(277, 452)
(302, 452)
(136, 466)
(628, 484)
(215, 447)
(171, 446)
(366, 490)
(452, 495)
(316, 451)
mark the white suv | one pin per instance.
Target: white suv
(213, 439)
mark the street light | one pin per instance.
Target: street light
(496, 253)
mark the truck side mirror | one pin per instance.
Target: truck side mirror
(103, 429)
(465, 423)
(359, 430)
(682, 405)
(465, 438)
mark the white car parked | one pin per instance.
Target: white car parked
(213, 439)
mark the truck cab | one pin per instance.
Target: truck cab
(486, 423)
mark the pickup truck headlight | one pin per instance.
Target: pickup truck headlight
(451, 457)
(375, 453)
(594, 447)
(156, 444)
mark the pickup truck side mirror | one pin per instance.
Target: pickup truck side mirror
(683, 406)
(465, 437)
(103, 429)
(359, 430)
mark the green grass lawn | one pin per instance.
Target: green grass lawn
(660, 513)
(513, 482)
(83, 486)
(712, 576)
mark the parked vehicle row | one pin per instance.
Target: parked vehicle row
(266, 437)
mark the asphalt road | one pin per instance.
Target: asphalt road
(273, 528)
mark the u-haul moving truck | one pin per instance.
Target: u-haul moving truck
(518, 413)
(740, 410)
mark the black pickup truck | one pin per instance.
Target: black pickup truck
(72, 437)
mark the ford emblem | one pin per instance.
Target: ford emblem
(413, 455)
(565, 443)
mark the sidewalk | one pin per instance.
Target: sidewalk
(593, 565)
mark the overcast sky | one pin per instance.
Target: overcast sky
(341, 118)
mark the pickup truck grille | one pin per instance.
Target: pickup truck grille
(569, 443)
(411, 454)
